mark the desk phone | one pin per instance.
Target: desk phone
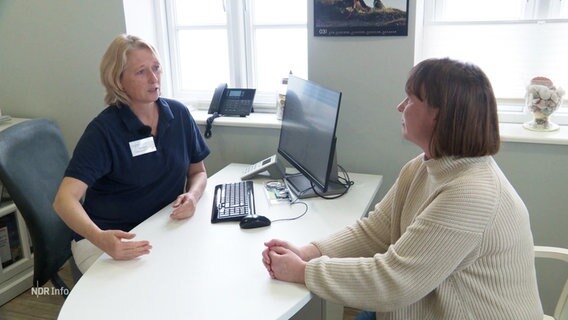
(232, 101)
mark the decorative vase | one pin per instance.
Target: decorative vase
(542, 99)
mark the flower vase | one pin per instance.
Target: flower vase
(542, 99)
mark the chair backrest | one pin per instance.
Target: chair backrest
(33, 159)
(561, 310)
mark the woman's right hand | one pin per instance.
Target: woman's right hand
(267, 261)
(306, 253)
(117, 245)
(284, 244)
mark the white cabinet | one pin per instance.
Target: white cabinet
(16, 269)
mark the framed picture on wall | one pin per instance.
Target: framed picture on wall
(336, 18)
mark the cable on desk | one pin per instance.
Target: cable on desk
(281, 186)
(347, 183)
(296, 217)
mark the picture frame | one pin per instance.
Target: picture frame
(336, 18)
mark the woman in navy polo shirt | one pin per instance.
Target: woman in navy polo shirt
(137, 156)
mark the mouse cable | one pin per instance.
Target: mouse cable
(296, 217)
(281, 185)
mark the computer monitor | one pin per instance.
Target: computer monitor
(307, 138)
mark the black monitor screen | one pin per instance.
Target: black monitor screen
(307, 137)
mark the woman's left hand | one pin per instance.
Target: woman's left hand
(285, 265)
(184, 206)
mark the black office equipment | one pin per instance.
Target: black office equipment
(229, 102)
(307, 138)
(233, 201)
(251, 222)
(232, 101)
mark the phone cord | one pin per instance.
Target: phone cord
(210, 124)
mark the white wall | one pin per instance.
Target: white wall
(49, 57)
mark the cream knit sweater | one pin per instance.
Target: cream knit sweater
(450, 240)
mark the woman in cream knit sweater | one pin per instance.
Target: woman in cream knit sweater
(451, 239)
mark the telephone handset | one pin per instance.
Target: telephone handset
(229, 102)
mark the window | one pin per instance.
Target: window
(511, 40)
(245, 43)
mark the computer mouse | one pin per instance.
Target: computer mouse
(250, 222)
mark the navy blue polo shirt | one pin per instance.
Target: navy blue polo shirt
(124, 190)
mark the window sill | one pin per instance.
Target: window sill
(510, 132)
(514, 132)
(254, 120)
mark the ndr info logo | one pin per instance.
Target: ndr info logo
(49, 291)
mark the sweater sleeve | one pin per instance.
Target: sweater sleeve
(365, 237)
(373, 234)
(404, 274)
(443, 238)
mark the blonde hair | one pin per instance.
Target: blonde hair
(114, 62)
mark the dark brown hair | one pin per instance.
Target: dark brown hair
(467, 123)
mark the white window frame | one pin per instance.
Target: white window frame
(241, 60)
(510, 110)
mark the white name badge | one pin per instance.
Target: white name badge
(142, 146)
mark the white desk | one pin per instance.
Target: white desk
(199, 270)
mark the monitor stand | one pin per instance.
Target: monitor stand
(301, 187)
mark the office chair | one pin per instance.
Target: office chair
(33, 159)
(561, 310)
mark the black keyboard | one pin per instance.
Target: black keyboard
(233, 201)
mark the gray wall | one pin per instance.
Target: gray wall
(49, 57)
